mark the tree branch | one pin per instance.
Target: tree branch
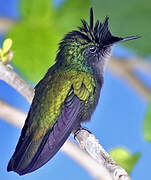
(84, 138)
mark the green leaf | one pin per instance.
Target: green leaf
(124, 158)
(7, 45)
(35, 47)
(147, 123)
(4, 52)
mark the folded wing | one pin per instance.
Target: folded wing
(50, 143)
(52, 117)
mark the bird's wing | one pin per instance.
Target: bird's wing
(51, 119)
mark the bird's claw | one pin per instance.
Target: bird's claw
(79, 129)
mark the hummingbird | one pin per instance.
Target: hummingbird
(66, 96)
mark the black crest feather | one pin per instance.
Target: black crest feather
(99, 33)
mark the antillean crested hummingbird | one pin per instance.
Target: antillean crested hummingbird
(66, 96)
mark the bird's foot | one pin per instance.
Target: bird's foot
(79, 129)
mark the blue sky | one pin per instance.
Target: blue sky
(116, 122)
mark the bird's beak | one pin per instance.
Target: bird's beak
(115, 39)
(128, 38)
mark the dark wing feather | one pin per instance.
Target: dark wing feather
(54, 138)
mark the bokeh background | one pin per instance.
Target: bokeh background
(122, 118)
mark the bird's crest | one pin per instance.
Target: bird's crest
(99, 33)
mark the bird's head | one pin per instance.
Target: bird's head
(90, 44)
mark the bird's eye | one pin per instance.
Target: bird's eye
(92, 49)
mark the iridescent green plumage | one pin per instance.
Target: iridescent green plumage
(66, 96)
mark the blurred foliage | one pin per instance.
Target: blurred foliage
(124, 158)
(35, 38)
(147, 123)
(37, 34)
(130, 17)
